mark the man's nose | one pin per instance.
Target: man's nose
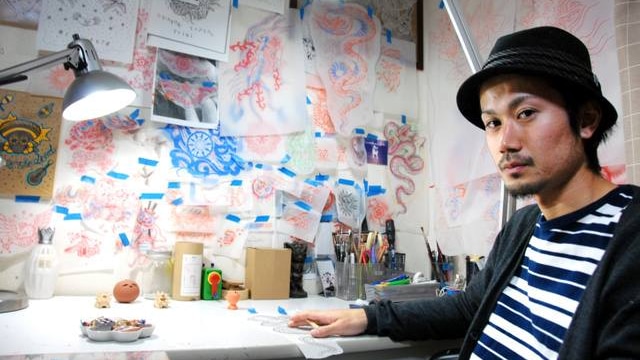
(510, 140)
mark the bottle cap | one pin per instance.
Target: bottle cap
(45, 235)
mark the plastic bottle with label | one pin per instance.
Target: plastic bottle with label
(42, 267)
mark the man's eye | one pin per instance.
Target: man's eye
(491, 124)
(525, 113)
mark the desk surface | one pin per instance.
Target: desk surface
(194, 329)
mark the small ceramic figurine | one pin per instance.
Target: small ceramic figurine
(232, 297)
(103, 300)
(161, 300)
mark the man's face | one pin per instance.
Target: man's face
(528, 135)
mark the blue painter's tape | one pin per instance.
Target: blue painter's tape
(124, 239)
(281, 310)
(151, 196)
(27, 198)
(233, 218)
(150, 162)
(317, 134)
(370, 11)
(374, 190)
(177, 201)
(117, 175)
(173, 185)
(74, 216)
(88, 179)
(303, 205)
(388, 36)
(322, 177)
(358, 131)
(235, 4)
(236, 182)
(346, 182)
(262, 218)
(371, 136)
(308, 101)
(312, 182)
(252, 310)
(441, 5)
(326, 218)
(285, 159)
(287, 172)
(301, 13)
(404, 119)
(60, 209)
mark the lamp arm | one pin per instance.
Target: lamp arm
(19, 72)
(80, 55)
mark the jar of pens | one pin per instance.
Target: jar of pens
(363, 259)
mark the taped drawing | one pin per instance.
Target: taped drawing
(405, 160)
(347, 44)
(29, 135)
(203, 152)
(98, 21)
(19, 226)
(263, 81)
(198, 28)
(397, 78)
(88, 147)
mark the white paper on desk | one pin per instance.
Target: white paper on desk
(310, 347)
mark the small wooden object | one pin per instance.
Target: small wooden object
(161, 300)
(103, 300)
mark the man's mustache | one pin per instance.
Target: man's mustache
(510, 159)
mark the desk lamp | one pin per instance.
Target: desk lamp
(94, 92)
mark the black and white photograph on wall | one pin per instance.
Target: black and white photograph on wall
(185, 90)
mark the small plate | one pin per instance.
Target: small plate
(117, 335)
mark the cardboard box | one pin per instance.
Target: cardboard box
(267, 273)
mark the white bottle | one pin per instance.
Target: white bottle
(42, 267)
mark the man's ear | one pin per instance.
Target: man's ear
(590, 115)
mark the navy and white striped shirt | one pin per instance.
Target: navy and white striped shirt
(536, 308)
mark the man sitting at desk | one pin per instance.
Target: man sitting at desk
(561, 280)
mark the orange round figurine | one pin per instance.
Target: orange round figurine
(126, 291)
(232, 297)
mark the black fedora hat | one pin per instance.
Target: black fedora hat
(546, 51)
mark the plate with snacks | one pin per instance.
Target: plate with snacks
(120, 330)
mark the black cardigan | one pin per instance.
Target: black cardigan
(606, 323)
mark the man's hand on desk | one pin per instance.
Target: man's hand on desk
(331, 322)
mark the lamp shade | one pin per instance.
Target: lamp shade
(95, 94)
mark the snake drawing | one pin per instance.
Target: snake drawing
(404, 160)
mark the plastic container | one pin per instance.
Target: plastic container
(158, 274)
(42, 267)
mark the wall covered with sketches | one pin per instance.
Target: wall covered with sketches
(301, 119)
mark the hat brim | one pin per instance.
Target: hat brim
(468, 97)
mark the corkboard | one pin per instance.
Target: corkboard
(29, 135)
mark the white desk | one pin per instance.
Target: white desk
(185, 330)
